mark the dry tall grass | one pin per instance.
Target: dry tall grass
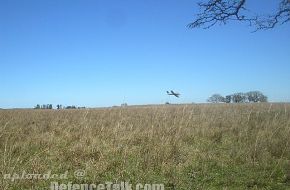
(184, 147)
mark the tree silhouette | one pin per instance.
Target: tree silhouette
(37, 106)
(228, 99)
(214, 12)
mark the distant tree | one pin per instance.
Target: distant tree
(263, 98)
(124, 105)
(256, 96)
(216, 98)
(37, 106)
(253, 96)
(44, 106)
(214, 12)
(59, 106)
(71, 107)
(239, 97)
(228, 99)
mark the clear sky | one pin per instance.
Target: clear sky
(106, 52)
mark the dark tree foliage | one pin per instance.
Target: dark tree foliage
(228, 99)
(44, 106)
(37, 106)
(214, 12)
(70, 107)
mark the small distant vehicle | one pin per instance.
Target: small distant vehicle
(172, 93)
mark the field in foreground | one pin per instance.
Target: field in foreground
(184, 147)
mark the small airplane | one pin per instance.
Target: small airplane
(172, 93)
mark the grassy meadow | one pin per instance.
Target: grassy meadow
(210, 146)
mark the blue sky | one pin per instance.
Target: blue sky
(106, 52)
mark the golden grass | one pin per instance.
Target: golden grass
(185, 147)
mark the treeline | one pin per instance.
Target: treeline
(59, 107)
(249, 97)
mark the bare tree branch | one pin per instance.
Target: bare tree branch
(280, 17)
(222, 11)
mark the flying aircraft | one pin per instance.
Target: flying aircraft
(172, 93)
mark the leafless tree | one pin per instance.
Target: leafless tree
(256, 96)
(214, 12)
(216, 98)
(239, 97)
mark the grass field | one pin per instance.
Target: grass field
(244, 146)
